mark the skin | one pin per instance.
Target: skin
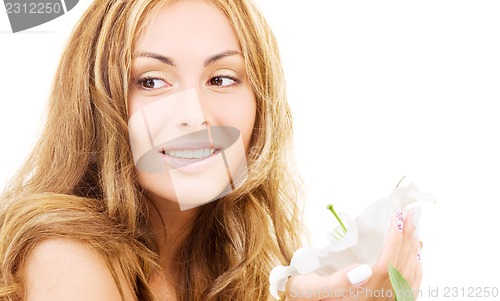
(223, 100)
(60, 269)
(400, 249)
(202, 34)
(188, 33)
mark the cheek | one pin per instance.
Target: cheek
(158, 184)
(190, 190)
(239, 114)
(247, 130)
(135, 102)
(248, 112)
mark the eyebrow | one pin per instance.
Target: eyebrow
(161, 58)
(169, 61)
(215, 58)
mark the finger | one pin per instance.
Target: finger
(407, 258)
(408, 267)
(357, 278)
(418, 269)
(314, 287)
(417, 278)
(392, 245)
(419, 254)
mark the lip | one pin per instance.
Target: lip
(191, 165)
(191, 141)
(222, 138)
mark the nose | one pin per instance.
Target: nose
(188, 112)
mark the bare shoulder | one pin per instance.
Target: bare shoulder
(61, 269)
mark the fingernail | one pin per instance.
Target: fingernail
(359, 274)
(417, 211)
(399, 220)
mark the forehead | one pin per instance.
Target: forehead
(188, 27)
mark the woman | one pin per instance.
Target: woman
(82, 221)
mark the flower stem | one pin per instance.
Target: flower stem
(330, 207)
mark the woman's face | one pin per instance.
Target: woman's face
(191, 107)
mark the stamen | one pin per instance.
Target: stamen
(330, 207)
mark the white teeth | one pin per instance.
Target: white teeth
(190, 154)
(197, 154)
(187, 154)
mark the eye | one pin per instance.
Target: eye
(224, 81)
(151, 83)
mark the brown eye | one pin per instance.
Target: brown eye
(151, 83)
(223, 81)
(216, 81)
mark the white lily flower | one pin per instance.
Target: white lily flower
(357, 241)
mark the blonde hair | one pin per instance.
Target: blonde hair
(84, 152)
(44, 216)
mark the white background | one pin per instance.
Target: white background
(379, 90)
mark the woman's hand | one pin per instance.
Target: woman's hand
(401, 249)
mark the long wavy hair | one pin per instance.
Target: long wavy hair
(83, 156)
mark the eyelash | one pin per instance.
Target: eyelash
(141, 81)
(236, 80)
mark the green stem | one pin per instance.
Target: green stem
(330, 207)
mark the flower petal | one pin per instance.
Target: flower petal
(348, 240)
(409, 195)
(305, 260)
(361, 244)
(277, 280)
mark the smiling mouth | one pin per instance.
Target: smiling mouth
(201, 153)
(192, 152)
(190, 160)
